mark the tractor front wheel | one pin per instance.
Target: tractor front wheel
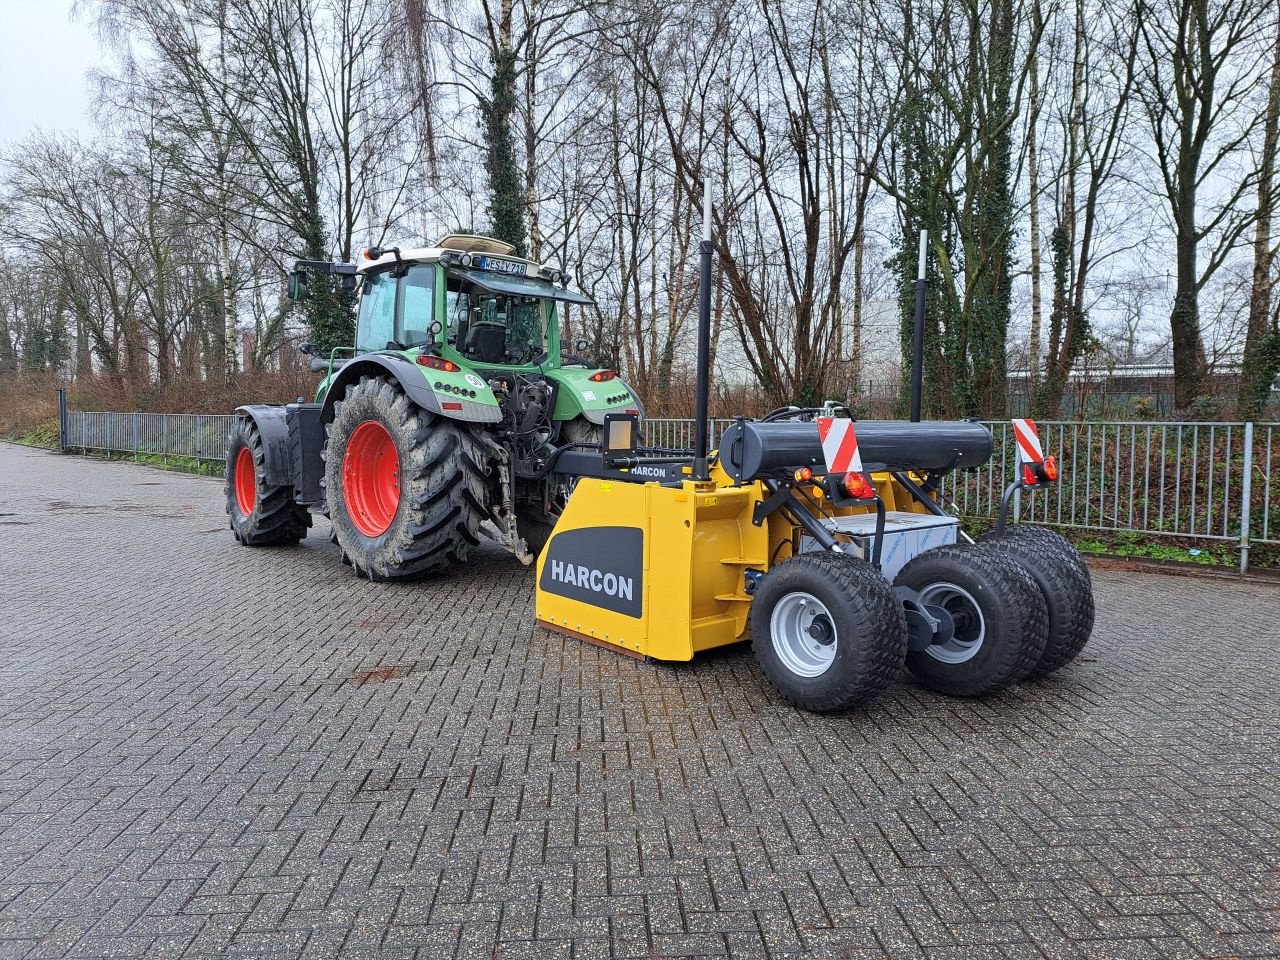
(827, 631)
(261, 514)
(406, 488)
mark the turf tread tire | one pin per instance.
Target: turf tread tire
(277, 519)
(1055, 541)
(1067, 591)
(1014, 611)
(863, 606)
(443, 484)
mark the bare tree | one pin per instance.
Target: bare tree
(1095, 123)
(1262, 337)
(1197, 84)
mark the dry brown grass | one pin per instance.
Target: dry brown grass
(30, 400)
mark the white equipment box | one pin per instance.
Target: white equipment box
(905, 536)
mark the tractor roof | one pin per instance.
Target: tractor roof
(458, 243)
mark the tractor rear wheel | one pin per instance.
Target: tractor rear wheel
(827, 631)
(262, 514)
(1066, 588)
(998, 620)
(406, 488)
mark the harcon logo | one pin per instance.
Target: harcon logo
(659, 472)
(599, 566)
(598, 580)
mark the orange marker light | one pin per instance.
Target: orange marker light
(1051, 469)
(804, 475)
(855, 484)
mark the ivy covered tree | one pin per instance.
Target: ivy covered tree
(506, 192)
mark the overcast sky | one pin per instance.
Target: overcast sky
(44, 56)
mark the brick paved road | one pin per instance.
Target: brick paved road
(206, 749)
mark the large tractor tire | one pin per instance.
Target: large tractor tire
(827, 631)
(529, 521)
(998, 614)
(1066, 588)
(406, 488)
(262, 515)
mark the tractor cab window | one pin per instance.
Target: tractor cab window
(396, 312)
(490, 327)
(376, 327)
(416, 290)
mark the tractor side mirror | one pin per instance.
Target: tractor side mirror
(309, 349)
(348, 281)
(297, 284)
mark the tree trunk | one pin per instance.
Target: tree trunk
(1184, 319)
(1262, 339)
(531, 153)
(506, 194)
(1033, 187)
(228, 304)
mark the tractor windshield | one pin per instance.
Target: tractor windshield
(491, 327)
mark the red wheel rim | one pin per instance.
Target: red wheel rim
(371, 478)
(246, 481)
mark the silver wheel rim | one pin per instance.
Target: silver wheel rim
(971, 626)
(804, 634)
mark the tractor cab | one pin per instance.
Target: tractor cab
(467, 299)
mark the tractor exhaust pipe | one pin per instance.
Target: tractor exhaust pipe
(917, 332)
(701, 427)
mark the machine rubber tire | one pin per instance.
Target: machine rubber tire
(433, 509)
(868, 637)
(1056, 541)
(272, 518)
(1012, 623)
(536, 531)
(1067, 591)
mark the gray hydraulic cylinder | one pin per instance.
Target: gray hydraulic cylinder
(749, 450)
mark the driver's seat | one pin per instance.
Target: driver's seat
(487, 342)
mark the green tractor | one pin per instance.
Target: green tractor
(443, 424)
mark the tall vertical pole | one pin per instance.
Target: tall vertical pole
(917, 333)
(1246, 498)
(62, 419)
(700, 444)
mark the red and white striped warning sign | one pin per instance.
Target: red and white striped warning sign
(1029, 450)
(839, 445)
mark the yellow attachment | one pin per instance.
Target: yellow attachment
(693, 546)
(659, 571)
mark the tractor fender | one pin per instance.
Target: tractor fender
(274, 430)
(409, 376)
(597, 416)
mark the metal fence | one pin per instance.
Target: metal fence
(191, 436)
(1194, 481)
(1212, 482)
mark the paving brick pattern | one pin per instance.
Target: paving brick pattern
(210, 750)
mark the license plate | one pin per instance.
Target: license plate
(495, 265)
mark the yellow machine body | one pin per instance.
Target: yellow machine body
(660, 571)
